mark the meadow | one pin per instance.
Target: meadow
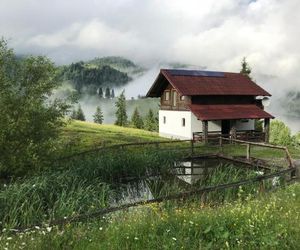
(82, 184)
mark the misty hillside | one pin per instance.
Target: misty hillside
(103, 72)
(119, 63)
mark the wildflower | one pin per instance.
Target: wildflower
(9, 238)
(4, 185)
(168, 230)
(23, 244)
(33, 185)
(48, 229)
(173, 238)
(136, 238)
(37, 227)
(191, 222)
(294, 194)
(100, 228)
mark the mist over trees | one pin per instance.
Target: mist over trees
(78, 114)
(30, 119)
(89, 78)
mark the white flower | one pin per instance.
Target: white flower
(23, 243)
(49, 229)
(100, 228)
(9, 238)
(168, 230)
(174, 239)
(33, 185)
(136, 238)
(37, 227)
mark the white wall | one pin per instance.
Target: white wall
(173, 127)
(245, 125)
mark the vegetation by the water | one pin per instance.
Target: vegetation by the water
(268, 222)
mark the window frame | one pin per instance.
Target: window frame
(174, 98)
(183, 122)
(167, 94)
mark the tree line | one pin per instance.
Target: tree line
(149, 122)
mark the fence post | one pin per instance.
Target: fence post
(248, 151)
(192, 147)
(221, 144)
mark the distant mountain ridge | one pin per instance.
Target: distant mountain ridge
(99, 73)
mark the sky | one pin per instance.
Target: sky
(215, 34)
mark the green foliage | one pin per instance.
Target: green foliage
(136, 119)
(98, 116)
(88, 79)
(267, 222)
(151, 121)
(78, 114)
(121, 113)
(31, 119)
(245, 70)
(280, 134)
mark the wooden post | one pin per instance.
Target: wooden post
(192, 147)
(221, 144)
(205, 131)
(248, 151)
(267, 129)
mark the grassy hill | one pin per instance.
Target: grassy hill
(86, 135)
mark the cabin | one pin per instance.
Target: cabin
(202, 105)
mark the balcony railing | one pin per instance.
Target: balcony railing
(254, 136)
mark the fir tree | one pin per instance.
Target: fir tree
(246, 69)
(107, 93)
(136, 119)
(80, 114)
(121, 114)
(151, 122)
(74, 114)
(112, 93)
(100, 92)
(98, 116)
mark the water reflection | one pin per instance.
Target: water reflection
(185, 175)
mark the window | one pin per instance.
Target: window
(174, 98)
(167, 95)
(164, 120)
(244, 120)
(183, 122)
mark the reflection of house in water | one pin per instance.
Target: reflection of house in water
(192, 172)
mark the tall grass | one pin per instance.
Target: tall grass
(76, 186)
(269, 222)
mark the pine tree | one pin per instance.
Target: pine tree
(136, 119)
(107, 93)
(112, 93)
(98, 116)
(151, 122)
(100, 93)
(80, 114)
(74, 114)
(246, 69)
(121, 114)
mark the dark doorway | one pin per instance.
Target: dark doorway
(225, 127)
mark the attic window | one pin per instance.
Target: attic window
(174, 98)
(167, 95)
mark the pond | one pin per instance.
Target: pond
(185, 176)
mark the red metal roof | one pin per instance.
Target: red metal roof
(224, 112)
(191, 85)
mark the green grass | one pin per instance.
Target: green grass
(80, 135)
(270, 221)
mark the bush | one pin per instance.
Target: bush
(280, 134)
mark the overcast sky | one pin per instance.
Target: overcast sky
(211, 33)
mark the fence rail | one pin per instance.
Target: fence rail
(102, 212)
